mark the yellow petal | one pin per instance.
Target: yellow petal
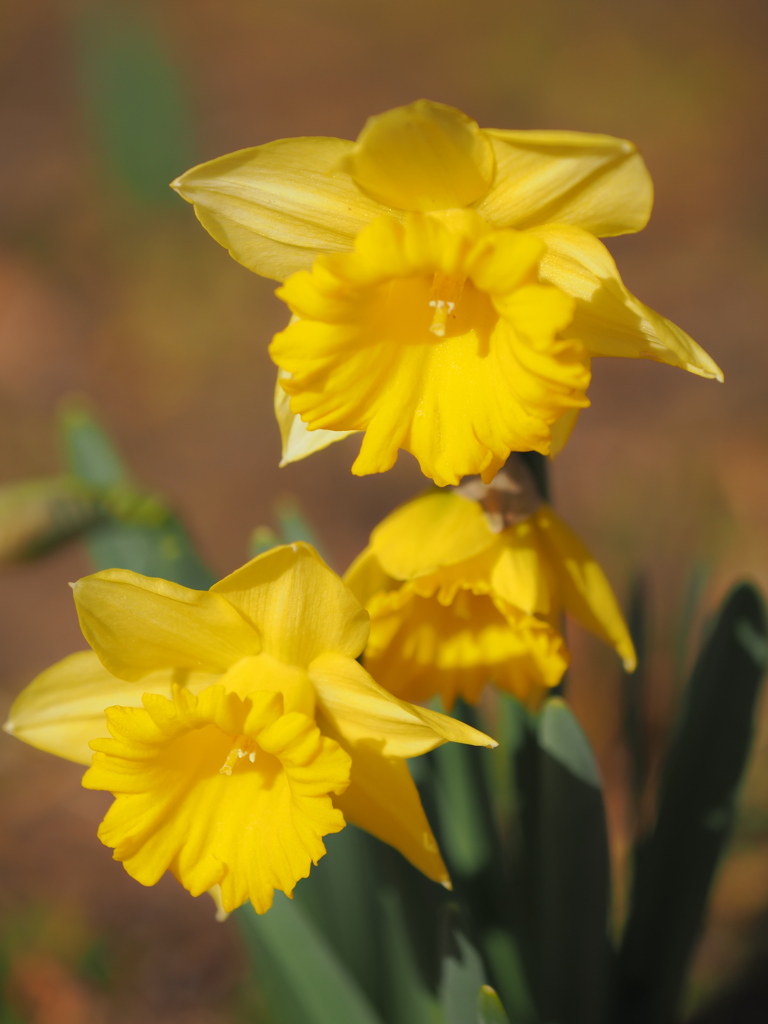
(218, 791)
(299, 606)
(609, 319)
(436, 529)
(297, 440)
(365, 577)
(137, 624)
(383, 800)
(277, 207)
(424, 156)
(587, 594)
(599, 183)
(362, 711)
(63, 709)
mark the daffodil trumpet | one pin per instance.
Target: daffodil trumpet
(468, 586)
(235, 727)
(447, 285)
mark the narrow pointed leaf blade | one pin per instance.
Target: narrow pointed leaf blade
(571, 876)
(675, 866)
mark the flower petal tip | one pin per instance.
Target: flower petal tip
(447, 884)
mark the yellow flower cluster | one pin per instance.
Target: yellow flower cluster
(448, 291)
(447, 282)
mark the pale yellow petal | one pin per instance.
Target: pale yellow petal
(218, 791)
(609, 319)
(137, 624)
(383, 800)
(423, 156)
(277, 207)
(587, 594)
(298, 605)
(63, 709)
(362, 711)
(436, 529)
(597, 182)
(297, 440)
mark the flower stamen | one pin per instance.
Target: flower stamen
(243, 746)
(446, 292)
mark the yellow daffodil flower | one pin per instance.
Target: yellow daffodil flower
(447, 285)
(242, 728)
(458, 599)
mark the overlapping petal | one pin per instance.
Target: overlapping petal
(436, 529)
(586, 593)
(137, 624)
(362, 711)
(423, 156)
(297, 440)
(383, 800)
(277, 207)
(250, 824)
(63, 709)
(296, 604)
(608, 318)
(597, 182)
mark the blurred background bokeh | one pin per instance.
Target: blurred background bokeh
(111, 290)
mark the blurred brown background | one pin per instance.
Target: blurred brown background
(109, 288)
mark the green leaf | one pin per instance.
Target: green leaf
(341, 897)
(489, 1008)
(465, 829)
(138, 532)
(301, 978)
(410, 999)
(462, 973)
(568, 868)
(675, 865)
(134, 99)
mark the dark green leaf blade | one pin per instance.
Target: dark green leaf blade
(675, 865)
(568, 864)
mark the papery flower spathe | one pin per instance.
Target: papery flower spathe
(242, 728)
(460, 597)
(447, 285)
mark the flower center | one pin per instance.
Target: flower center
(445, 294)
